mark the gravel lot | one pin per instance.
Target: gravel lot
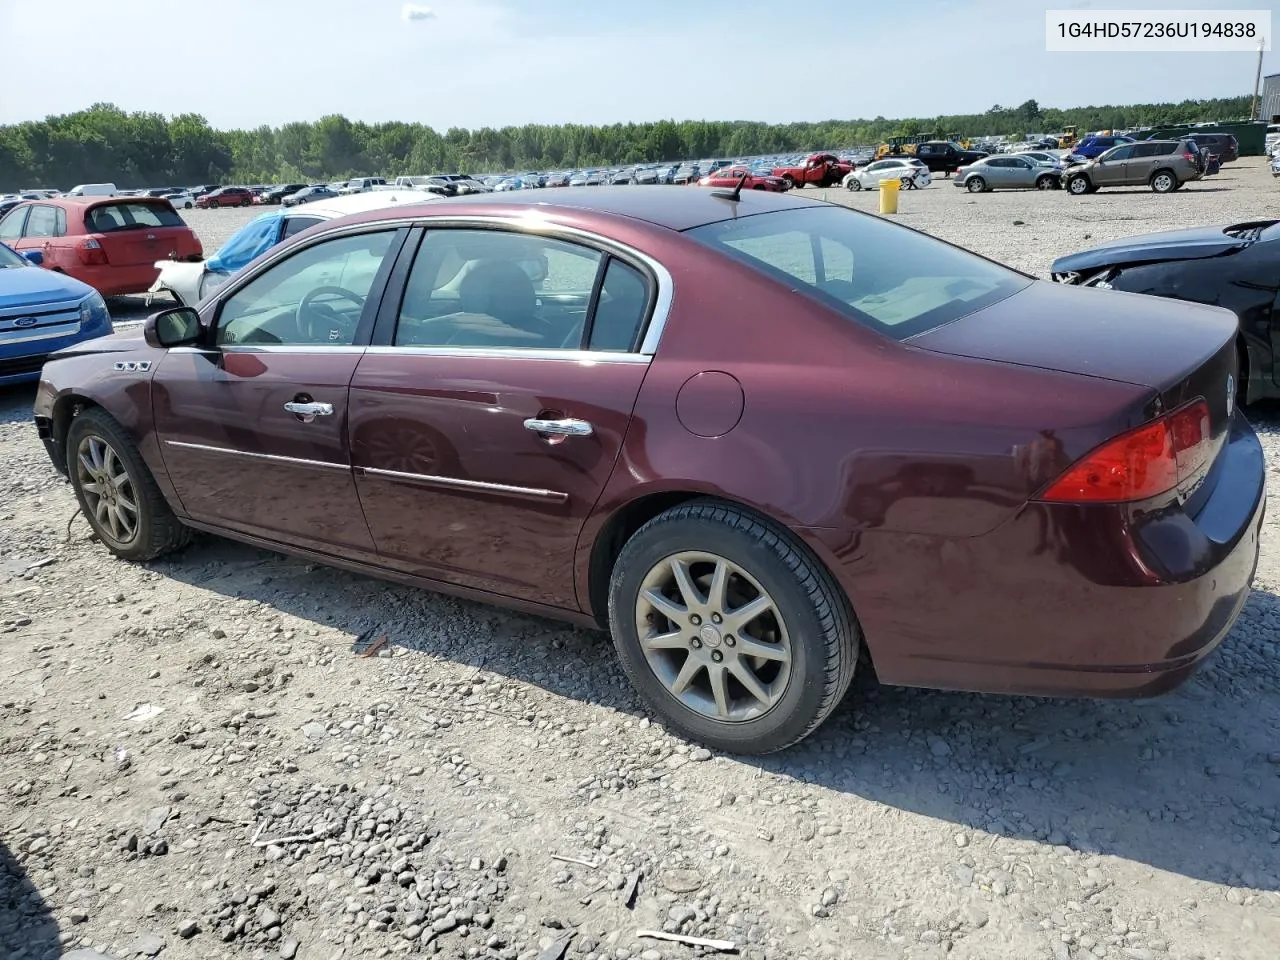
(196, 765)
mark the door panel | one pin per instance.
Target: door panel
(456, 488)
(237, 458)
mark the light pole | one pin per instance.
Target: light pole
(1257, 80)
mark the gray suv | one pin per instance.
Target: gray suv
(1163, 165)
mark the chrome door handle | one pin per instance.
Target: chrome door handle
(564, 428)
(310, 409)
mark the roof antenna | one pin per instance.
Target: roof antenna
(736, 193)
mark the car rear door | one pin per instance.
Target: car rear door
(1143, 160)
(488, 414)
(40, 229)
(253, 426)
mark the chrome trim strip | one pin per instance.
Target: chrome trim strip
(514, 353)
(275, 458)
(532, 221)
(39, 333)
(42, 309)
(319, 349)
(555, 496)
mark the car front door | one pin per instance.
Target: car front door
(1021, 172)
(253, 423)
(1110, 167)
(488, 415)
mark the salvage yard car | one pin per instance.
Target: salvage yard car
(820, 169)
(110, 243)
(634, 409)
(1007, 172)
(733, 176)
(906, 170)
(42, 311)
(1163, 165)
(1235, 266)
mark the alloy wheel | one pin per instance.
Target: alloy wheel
(713, 637)
(108, 490)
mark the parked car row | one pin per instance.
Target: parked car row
(638, 470)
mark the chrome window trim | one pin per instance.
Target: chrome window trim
(515, 353)
(480, 486)
(524, 223)
(275, 458)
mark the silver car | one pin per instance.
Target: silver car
(1007, 172)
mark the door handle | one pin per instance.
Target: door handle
(310, 410)
(562, 428)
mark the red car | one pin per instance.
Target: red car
(732, 176)
(755, 438)
(110, 243)
(226, 197)
(821, 170)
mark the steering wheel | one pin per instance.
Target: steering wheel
(312, 317)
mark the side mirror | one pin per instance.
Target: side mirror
(175, 327)
(35, 256)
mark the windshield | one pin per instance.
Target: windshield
(889, 278)
(10, 259)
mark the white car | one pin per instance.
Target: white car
(189, 283)
(902, 169)
(181, 201)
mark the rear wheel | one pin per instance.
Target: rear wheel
(117, 493)
(1046, 183)
(1079, 185)
(730, 629)
(975, 185)
(1163, 181)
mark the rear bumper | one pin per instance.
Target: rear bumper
(116, 281)
(1065, 600)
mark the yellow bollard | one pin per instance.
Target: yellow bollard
(889, 195)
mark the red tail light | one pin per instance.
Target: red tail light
(1144, 462)
(91, 252)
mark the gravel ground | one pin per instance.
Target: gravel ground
(195, 764)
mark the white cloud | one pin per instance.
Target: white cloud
(411, 12)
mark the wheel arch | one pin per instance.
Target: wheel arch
(626, 519)
(65, 409)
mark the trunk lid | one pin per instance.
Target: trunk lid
(1181, 351)
(140, 231)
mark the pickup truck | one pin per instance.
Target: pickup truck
(945, 157)
(821, 169)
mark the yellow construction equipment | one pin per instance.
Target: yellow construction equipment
(1070, 136)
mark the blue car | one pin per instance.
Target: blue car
(42, 311)
(1095, 145)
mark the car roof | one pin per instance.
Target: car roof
(661, 206)
(360, 202)
(97, 201)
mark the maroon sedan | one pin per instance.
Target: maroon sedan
(755, 436)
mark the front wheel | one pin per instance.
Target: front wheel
(117, 493)
(792, 183)
(730, 629)
(1078, 185)
(855, 184)
(975, 185)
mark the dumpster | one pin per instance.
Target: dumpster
(889, 195)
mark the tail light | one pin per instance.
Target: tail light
(1142, 463)
(91, 253)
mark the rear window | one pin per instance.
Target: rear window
(111, 217)
(889, 278)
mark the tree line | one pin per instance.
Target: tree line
(136, 149)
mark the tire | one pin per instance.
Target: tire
(1046, 183)
(156, 530)
(1079, 185)
(813, 621)
(1164, 181)
(792, 184)
(975, 185)
(855, 184)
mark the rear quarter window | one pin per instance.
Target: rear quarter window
(885, 277)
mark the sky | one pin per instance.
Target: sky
(474, 63)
